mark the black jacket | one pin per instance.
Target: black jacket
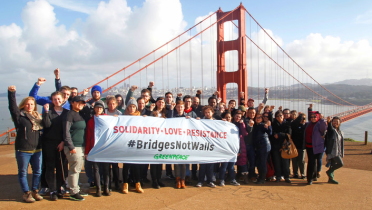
(53, 126)
(282, 130)
(298, 131)
(27, 139)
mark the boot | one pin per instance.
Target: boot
(155, 184)
(183, 185)
(139, 188)
(178, 183)
(125, 188)
(27, 197)
(36, 195)
(245, 176)
(106, 191)
(98, 192)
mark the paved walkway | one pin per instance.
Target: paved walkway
(353, 192)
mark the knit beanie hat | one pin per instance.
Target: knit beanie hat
(132, 101)
(242, 108)
(96, 88)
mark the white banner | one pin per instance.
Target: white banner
(137, 139)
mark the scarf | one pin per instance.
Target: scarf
(188, 110)
(136, 113)
(35, 119)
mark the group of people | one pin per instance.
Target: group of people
(57, 141)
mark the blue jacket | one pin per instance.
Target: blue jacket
(42, 100)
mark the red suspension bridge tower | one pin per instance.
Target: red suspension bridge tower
(240, 76)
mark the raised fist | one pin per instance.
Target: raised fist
(173, 104)
(242, 94)
(272, 108)
(321, 116)
(151, 84)
(40, 81)
(266, 90)
(85, 92)
(219, 100)
(241, 121)
(179, 95)
(216, 93)
(46, 107)
(310, 106)
(261, 105)
(328, 119)
(280, 108)
(152, 106)
(133, 88)
(56, 73)
(12, 88)
(199, 92)
(251, 123)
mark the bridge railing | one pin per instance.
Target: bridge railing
(8, 137)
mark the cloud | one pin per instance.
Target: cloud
(83, 7)
(365, 18)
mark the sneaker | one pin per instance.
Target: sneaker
(44, 191)
(53, 196)
(161, 184)
(303, 177)
(77, 197)
(288, 181)
(155, 185)
(170, 176)
(332, 181)
(222, 183)
(27, 197)
(83, 193)
(235, 183)
(36, 195)
(211, 184)
(309, 182)
(199, 184)
(214, 178)
(282, 179)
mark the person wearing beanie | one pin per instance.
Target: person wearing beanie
(135, 169)
(89, 144)
(96, 92)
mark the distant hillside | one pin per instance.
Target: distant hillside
(366, 81)
(6, 95)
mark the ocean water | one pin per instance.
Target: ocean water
(354, 128)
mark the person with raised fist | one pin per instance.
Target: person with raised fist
(28, 124)
(53, 145)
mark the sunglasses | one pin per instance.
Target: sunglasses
(304, 118)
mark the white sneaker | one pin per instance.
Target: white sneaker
(211, 184)
(222, 183)
(235, 183)
(199, 184)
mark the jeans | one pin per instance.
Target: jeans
(23, 160)
(229, 166)
(168, 169)
(319, 163)
(299, 163)
(206, 169)
(261, 159)
(88, 166)
(75, 162)
(311, 163)
(188, 170)
(281, 165)
(251, 160)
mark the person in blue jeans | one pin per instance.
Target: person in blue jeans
(206, 169)
(28, 123)
(250, 149)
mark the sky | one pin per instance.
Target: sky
(90, 39)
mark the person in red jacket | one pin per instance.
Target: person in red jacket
(89, 144)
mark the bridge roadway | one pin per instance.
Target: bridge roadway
(353, 192)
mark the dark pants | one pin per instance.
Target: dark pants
(105, 168)
(251, 157)
(168, 169)
(205, 169)
(299, 163)
(144, 168)
(311, 163)
(135, 171)
(115, 174)
(155, 171)
(194, 169)
(53, 162)
(43, 182)
(88, 167)
(261, 159)
(281, 165)
(336, 163)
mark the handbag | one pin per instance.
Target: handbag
(288, 150)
